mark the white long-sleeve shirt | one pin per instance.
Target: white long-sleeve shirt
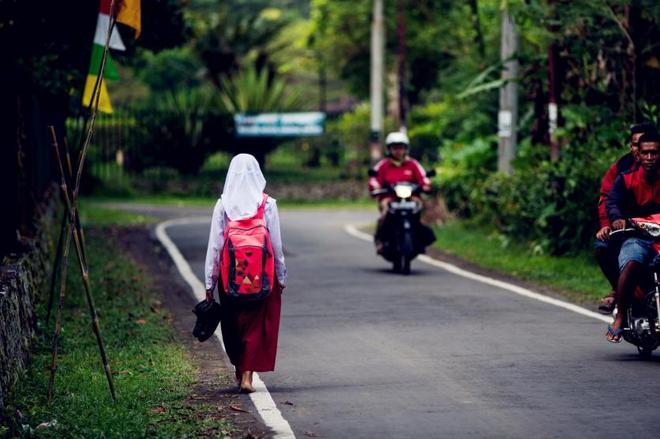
(217, 241)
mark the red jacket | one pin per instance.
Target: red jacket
(624, 164)
(389, 172)
(634, 194)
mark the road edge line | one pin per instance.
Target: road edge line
(262, 400)
(352, 230)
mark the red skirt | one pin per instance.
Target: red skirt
(250, 330)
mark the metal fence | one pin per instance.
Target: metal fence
(113, 133)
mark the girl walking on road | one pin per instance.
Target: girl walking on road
(249, 327)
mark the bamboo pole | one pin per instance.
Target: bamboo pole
(56, 265)
(94, 104)
(77, 212)
(82, 265)
(75, 227)
(58, 315)
(60, 241)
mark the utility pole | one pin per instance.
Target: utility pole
(507, 120)
(553, 100)
(401, 33)
(554, 90)
(323, 81)
(377, 58)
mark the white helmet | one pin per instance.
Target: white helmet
(397, 137)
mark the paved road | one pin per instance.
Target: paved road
(365, 353)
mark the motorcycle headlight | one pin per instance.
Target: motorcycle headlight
(651, 228)
(403, 191)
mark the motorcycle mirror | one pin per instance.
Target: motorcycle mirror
(431, 173)
(372, 172)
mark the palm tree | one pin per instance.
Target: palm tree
(232, 39)
(254, 91)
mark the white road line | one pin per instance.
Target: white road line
(261, 399)
(353, 231)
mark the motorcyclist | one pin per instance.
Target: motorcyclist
(605, 250)
(396, 167)
(636, 193)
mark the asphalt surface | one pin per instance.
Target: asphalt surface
(365, 353)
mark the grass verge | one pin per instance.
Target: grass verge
(93, 211)
(152, 371)
(577, 276)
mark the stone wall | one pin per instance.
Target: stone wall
(24, 280)
(319, 191)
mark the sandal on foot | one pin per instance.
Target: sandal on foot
(613, 336)
(607, 304)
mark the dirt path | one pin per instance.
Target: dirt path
(214, 383)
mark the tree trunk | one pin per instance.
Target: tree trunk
(476, 24)
(632, 25)
(377, 70)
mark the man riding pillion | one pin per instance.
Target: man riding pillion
(396, 167)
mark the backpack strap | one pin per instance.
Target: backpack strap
(262, 207)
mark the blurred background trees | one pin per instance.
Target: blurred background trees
(198, 62)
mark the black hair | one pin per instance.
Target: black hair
(649, 137)
(644, 127)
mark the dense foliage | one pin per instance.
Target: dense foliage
(279, 55)
(608, 66)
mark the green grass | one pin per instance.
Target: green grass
(151, 369)
(93, 214)
(577, 276)
(161, 200)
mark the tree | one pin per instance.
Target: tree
(48, 47)
(232, 39)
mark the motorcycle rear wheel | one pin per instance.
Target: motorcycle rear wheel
(645, 352)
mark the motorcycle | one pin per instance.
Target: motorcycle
(642, 320)
(402, 234)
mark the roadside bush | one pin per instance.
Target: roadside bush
(552, 206)
(463, 171)
(350, 133)
(177, 130)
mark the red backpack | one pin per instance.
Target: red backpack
(247, 263)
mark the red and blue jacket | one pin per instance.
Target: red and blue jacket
(624, 164)
(390, 172)
(634, 194)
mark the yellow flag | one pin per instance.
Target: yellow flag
(129, 14)
(104, 98)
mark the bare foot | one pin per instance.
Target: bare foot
(237, 375)
(246, 382)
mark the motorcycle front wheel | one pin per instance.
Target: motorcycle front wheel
(401, 264)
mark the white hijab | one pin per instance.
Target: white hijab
(244, 187)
